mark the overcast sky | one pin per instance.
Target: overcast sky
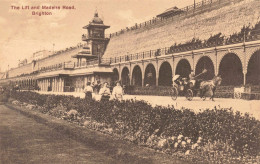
(21, 33)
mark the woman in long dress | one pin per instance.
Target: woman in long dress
(118, 92)
(105, 92)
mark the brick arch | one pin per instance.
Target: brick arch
(134, 65)
(253, 68)
(178, 59)
(165, 74)
(116, 74)
(125, 79)
(231, 75)
(249, 55)
(135, 78)
(147, 78)
(178, 64)
(169, 60)
(210, 56)
(230, 52)
(147, 63)
(209, 66)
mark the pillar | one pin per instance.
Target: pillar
(244, 77)
(55, 84)
(142, 81)
(62, 84)
(157, 80)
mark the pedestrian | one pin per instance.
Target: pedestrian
(118, 92)
(88, 91)
(105, 92)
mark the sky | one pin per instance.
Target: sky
(22, 34)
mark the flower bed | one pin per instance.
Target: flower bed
(216, 134)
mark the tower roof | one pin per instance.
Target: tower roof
(96, 22)
(96, 19)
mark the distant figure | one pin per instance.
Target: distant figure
(105, 92)
(97, 87)
(88, 91)
(118, 92)
(192, 77)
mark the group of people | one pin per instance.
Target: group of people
(105, 92)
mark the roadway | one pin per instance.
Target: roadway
(244, 106)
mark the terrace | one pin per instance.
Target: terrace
(246, 35)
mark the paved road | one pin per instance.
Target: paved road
(244, 106)
(23, 140)
(250, 106)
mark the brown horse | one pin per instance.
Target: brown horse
(209, 87)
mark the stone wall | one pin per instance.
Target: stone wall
(226, 19)
(25, 69)
(57, 59)
(46, 62)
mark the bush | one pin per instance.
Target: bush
(139, 121)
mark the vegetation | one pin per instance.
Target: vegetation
(217, 134)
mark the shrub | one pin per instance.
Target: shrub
(140, 121)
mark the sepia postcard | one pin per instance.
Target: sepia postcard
(128, 81)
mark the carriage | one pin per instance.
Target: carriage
(185, 87)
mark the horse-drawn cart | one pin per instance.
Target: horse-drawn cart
(191, 87)
(183, 86)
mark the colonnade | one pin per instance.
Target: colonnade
(55, 84)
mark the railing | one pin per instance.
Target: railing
(183, 48)
(87, 36)
(186, 10)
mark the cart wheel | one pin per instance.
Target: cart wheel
(237, 95)
(174, 93)
(189, 94)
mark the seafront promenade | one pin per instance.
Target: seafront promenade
(244, 106)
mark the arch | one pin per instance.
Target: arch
(183, 68)
(125, 76)
(115, 75)
(150, 75)
(253, 69)
(165, 74)
(205, 63)
(137, 76)
(231, 70)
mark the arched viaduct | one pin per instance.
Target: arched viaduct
(237, 64)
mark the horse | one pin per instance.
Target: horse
(210, 86)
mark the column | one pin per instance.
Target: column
(62, 84)
(58, 84)
(43, 84)
(244, 77)
(54, 84)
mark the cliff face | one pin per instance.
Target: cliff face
(227, 19)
